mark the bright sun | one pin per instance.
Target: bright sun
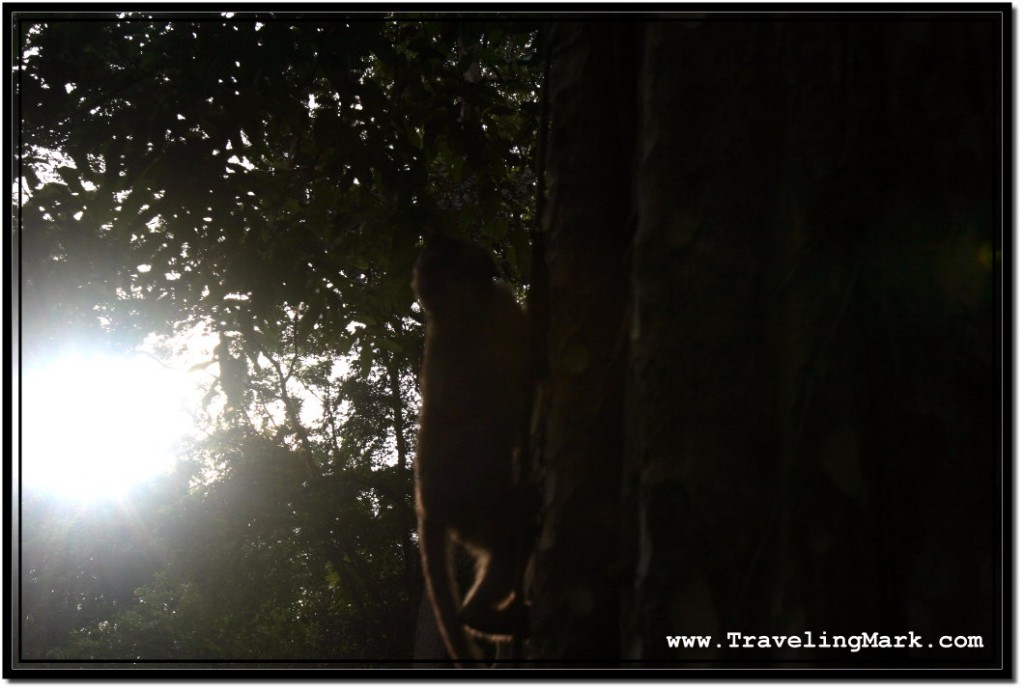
(93, 426)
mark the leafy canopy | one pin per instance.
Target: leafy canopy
(268, 179)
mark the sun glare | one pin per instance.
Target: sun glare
(94, 426)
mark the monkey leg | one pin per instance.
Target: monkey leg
(436, 557)
(491, 608)
(498, 625)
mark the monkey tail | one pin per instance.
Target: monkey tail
(444, 596)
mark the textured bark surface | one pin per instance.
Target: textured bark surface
(575, 590)
(811, 377)
(774, 255)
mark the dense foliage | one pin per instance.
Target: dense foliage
(267, 180)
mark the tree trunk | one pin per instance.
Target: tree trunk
(771, 405)
(578, 571)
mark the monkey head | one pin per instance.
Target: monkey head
(450, 267)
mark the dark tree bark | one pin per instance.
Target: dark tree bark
(776, 280)
(578, 573)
